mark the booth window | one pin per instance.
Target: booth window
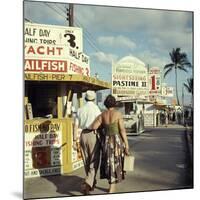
(43, 99)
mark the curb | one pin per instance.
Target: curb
(189, 141)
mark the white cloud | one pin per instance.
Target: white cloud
(104, 58)
(124, 19)
(152, 59)
(165, 41)
(118, 41)
(44, 12)
(167, 29)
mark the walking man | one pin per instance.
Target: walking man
(90, 146)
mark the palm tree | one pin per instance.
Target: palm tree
(189, 85)
(179, 61)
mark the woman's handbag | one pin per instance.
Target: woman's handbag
(129, 162)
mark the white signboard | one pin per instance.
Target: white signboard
(79, 62)
(53, 35)
(55, 59)
(154, 81)
(167, 91)
(130, 78)
(56, 54)
(43, 155)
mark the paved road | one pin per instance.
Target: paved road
(162, 160)
(162, 163)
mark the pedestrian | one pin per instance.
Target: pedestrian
(89, 142)
(114, 145)
(166, 118)
(174, 117)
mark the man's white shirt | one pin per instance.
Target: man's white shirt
(87, 114)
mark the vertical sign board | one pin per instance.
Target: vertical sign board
(155, 82)
(43, 155)
(77, 160)
(54, 49)
(167, 91)
(130, 78)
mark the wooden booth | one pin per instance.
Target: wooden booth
(48, 123)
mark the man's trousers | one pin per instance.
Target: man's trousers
(90, 150)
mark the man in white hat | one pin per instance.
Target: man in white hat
(90, 146)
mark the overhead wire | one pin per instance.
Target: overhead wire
(87, 36)
(61, 8)
(54, 9)
(89, 41)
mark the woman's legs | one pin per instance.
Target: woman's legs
(112, 188)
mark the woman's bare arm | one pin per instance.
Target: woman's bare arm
(123, 132)
(97, 122)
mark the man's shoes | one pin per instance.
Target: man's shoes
(85, 188)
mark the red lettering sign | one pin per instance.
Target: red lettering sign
(45, 65)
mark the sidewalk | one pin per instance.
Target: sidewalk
(188, 135)
(156, 167)
(63, 185)
(189, 138)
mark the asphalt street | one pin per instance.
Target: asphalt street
(162, 162)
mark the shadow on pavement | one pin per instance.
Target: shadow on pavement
(67, 185)
(102, 189)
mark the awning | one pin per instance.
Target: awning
(160, 106)
(76, 82)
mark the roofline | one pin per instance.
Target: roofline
(80, 79)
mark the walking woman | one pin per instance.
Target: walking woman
(114, 144)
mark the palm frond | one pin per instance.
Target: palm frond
(189, 85)
(188, 88)
(182, 68)
(168, 66)
(187, 64)
(172, 57)
(167, 72)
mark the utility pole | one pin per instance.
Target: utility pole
(70, 14)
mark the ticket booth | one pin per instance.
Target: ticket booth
(48, 123)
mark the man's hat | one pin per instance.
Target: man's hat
(90, 95)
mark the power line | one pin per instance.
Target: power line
(64, 11)
(90, 42)
(54, 9)
(87, 36)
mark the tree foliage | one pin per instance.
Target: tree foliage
(179, 62)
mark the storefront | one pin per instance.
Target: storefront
(48, 124)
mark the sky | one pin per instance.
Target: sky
(110, 33)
